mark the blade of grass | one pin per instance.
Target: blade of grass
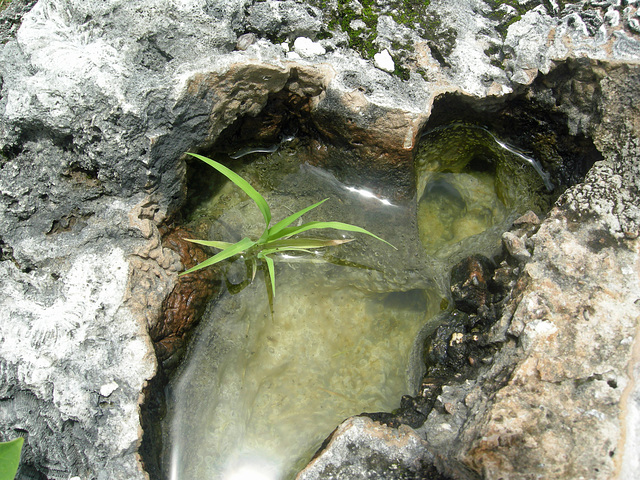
(285, 222)
(240, 182)
(272, 273)
(289, 231)
(269, 279)
(304, 243)
(280, 250)
(234, 249)
(210, 243)
(10, 457)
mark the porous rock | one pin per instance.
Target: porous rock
(375, 451)
(100, 98)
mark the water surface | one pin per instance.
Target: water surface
(257, 394)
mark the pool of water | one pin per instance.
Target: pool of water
(266, 391)
(258, 393)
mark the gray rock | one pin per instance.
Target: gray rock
(284, 19)
(375, 451)
(516, 246)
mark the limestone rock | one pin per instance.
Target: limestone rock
(574, 318)
(384, 61)
(98, 101)
(284, 19)
(400, 453)
(516, 247)
(305, 47)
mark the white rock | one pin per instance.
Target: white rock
(305, 47)
(612, 17)
(108, 389)
(357, 24)
(384, 61)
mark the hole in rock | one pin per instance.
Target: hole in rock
(266, 390)
(259, 391)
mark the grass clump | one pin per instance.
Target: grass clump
(275, 239)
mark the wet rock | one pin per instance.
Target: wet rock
(182, 309)
(457, 346)
(516, 247)
(470, 283)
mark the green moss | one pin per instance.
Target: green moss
(427, 24)
(413, 14)
(505, 21)
(402, 72)
(4, 4)
(496, 63)
(496, 55)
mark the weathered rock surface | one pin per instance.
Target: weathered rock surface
(365, 449)
(557, 397)
(99, 99)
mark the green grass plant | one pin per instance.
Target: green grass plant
(10, 458)
(275, 239)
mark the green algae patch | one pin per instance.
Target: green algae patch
(471, 183)
(360, 22)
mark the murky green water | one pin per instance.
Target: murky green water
(470, 187)
(257, 395)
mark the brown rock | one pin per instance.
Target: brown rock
(469, 283)
(182, 309)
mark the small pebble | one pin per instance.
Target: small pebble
(516, 247)
(108, 389)
(245, 41)
(384, 61)
(528, 218)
